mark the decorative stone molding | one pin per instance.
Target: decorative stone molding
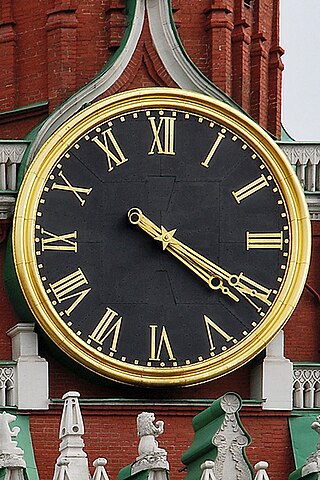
(221, 439)
(7, 384)
(306, 385)
(305, 159)
(28, 394)
(11, 153)
(230, 441)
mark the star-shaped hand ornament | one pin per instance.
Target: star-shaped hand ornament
(166, 237)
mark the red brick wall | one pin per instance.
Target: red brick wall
(54, 47)
(51, 48)
(111, 432)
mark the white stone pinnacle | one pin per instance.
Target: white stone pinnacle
(72, 463)
(261, 469)
(100, 472)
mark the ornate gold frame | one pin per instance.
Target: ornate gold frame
(24, 233)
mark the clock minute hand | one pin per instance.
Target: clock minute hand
(209, 272)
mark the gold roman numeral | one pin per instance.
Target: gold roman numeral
(59, 242)
(210, 324)
(67, 288)
(206, 161)
(264, 240)
(163, 133)
(251, 188)
(106, 327)
(155, 352)
(70, 188)
(118, 157)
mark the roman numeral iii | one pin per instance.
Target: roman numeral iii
(68, 287)
(264, 240)
(163, 134)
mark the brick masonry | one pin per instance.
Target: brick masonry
(49, 49)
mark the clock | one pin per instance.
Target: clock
(161, 238)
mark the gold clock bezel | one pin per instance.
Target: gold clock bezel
(24, 235)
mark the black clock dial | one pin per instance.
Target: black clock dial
(162, 240)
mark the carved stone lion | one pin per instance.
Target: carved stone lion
(148, 431)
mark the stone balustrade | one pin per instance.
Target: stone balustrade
(7, 383)
(306, 385)
(305, 158)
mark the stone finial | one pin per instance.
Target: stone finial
(7, 445)
(261, 469)
(72, 463)
(11, 456)
(208, 470)
(62, 473)
(151, 457)
(100, 471)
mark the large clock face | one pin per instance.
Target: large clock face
(160, 237)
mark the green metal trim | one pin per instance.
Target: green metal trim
(303, 437)
(306, 364)
(12, 285)
(32, 106)
(201, 402)
(285, 136)
(125, 474)
(8, 362)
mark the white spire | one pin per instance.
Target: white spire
(72, 462)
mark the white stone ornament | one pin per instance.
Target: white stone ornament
(208, 470)
(7, 445)
(11, 456)
(151, 456)
(100, 472)
(230, 441)
(261, 469)
(72, 462)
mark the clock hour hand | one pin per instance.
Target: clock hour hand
(206, 270)
(215, 276)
